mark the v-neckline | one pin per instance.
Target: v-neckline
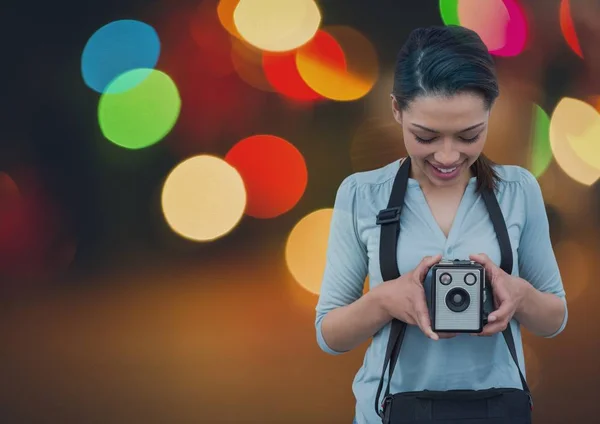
(458, 216)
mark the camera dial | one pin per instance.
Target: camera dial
(470, 279)
(445, 278)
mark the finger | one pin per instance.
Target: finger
(490, 267)
(491, 329)
(482, 258)
(446, 335)
(424, 322)
(501, 314)
(425, 265)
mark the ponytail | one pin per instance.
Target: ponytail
(487, 177)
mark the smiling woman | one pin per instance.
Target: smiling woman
(444, 91)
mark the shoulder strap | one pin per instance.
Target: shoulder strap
(506, 263)
(389, 220)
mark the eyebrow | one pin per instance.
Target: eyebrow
(437, 132)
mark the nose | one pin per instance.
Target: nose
(447, 155)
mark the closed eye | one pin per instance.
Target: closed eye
(432, 139)
(424, 140)
(472, 139)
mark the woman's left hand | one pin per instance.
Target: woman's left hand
(508, 292)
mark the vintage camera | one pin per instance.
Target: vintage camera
(460, 300)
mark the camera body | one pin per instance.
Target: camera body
(460, 302)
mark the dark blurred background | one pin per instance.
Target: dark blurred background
(167, 173)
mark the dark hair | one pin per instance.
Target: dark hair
(446, 60)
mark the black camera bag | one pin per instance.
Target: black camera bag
(489, 406)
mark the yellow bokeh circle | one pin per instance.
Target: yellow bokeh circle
(203, 198)
(587, 144)
(277, 25)
(571, 123)
(306, 249)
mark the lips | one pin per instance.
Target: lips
(445, 172)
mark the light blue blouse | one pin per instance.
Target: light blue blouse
(463, 362)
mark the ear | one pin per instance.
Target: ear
(396, 110)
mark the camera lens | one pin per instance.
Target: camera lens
(470, 279)
(445, 278)
(458, 299)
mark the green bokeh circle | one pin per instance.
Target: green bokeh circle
(541, 153)
(139, 117)
(449, 12)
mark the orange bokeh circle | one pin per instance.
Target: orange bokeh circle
(281, 69)
(327, 75)
(225, 10)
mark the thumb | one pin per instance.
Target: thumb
(490, 267)
(423, 320)
(425, 265)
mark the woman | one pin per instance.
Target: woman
(444, 91)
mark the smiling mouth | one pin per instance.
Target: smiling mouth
(445, 170)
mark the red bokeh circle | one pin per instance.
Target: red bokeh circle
(35, 242)
(274, 173)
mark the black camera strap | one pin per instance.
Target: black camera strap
(389, 219)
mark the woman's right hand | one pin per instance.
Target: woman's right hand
(404, 297)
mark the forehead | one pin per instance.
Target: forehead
(447, 113)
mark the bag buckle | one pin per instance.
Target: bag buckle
(385, 410)
(389, 215)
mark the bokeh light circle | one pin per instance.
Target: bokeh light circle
(275, 25)
(449, 12)
(116, 48)
(586, 145)
(516, 31)
(541, 152)
(567, 27)
(143, 115)
(225, 10)
(306, 249)
(282, 74)
(36, 241)
(501, 24)
(489, 19)
(274, 174)
(203, 198)
(349, 80)
(569, 122)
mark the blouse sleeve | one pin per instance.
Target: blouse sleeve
(346, 266)
(537, 261)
